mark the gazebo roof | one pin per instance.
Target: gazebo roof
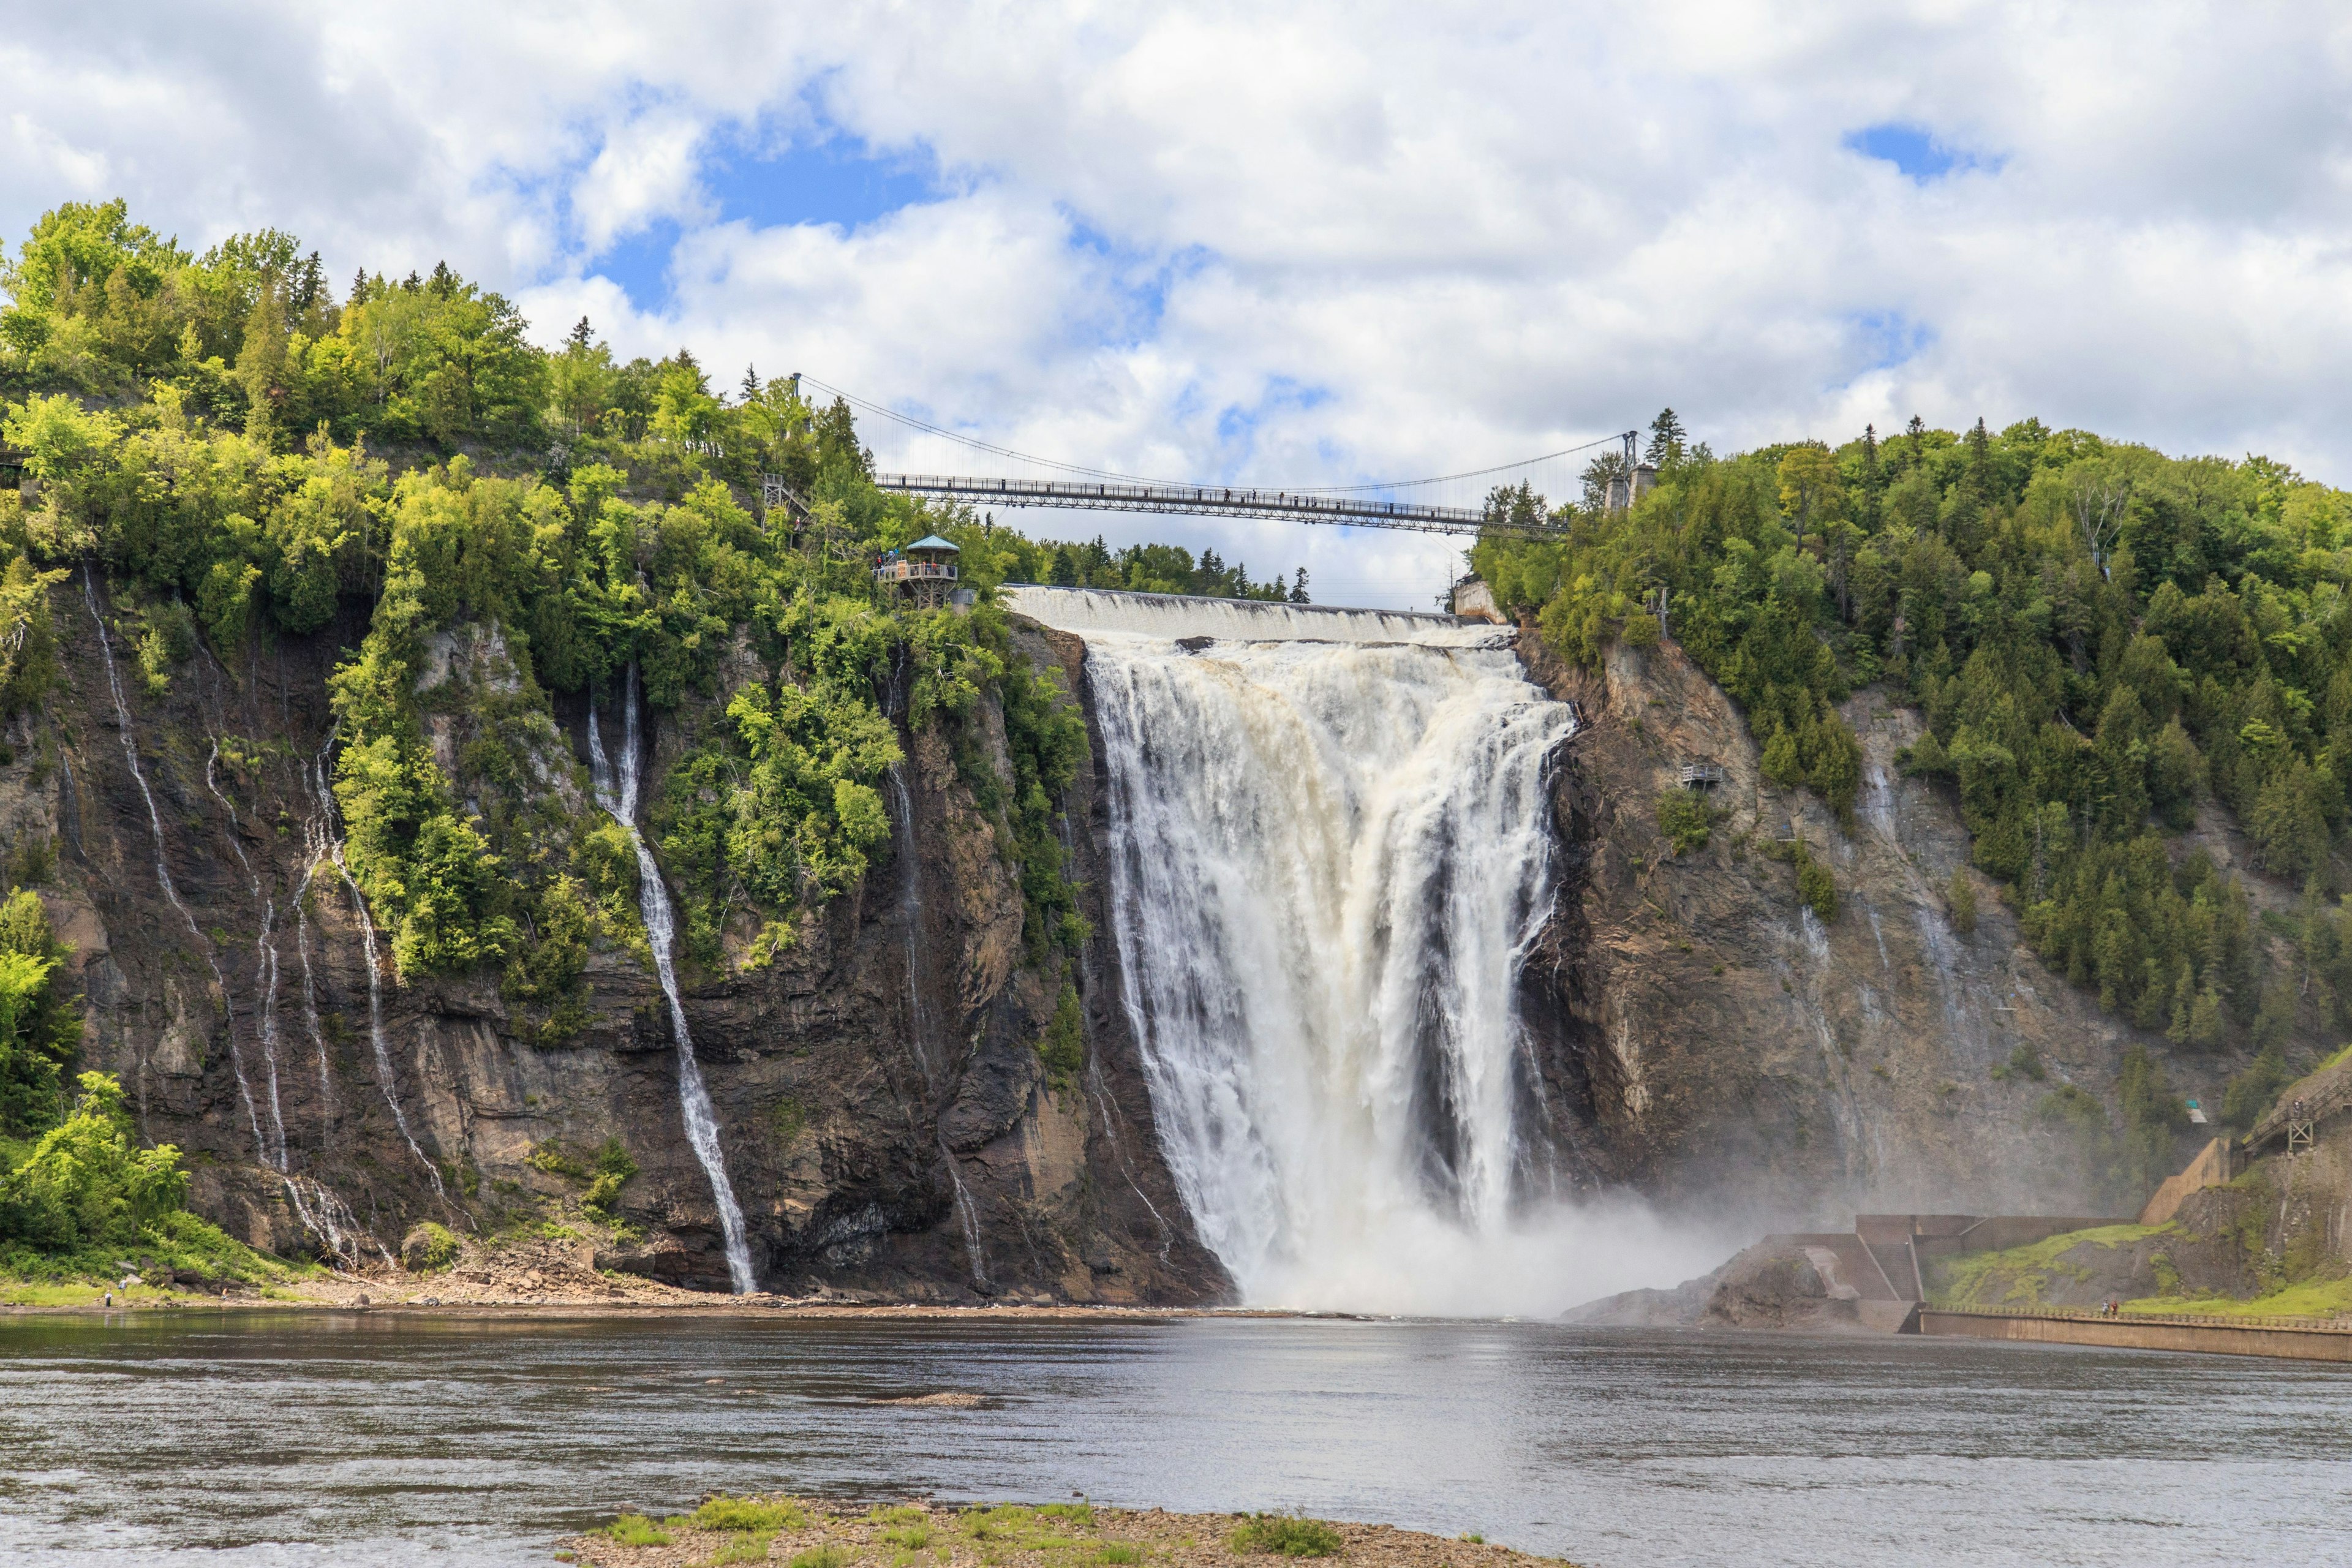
(933, 542)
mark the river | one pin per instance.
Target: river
(282, 1437)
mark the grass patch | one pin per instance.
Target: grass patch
(1286, 1535)
(825, 1556)
(908, 1537)
(1120, 1551)
(747, 1547)
(2311, 1299)
(2017, 1277)
(1025, 1529)
(724, 1512)
(637, 1530)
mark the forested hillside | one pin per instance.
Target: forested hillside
(242, 455)
(2100, 638)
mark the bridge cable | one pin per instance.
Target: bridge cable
(974, 441)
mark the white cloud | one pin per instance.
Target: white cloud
(1320, 242)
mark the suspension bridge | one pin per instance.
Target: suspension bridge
(1074, 488)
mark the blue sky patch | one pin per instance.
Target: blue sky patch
(1889, 338)
(838, 181)
(1917, 152)
(640, 263)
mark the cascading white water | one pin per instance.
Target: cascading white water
(265, 967)
(910, 906)
(620, 801)
(318, 830)
(162, 874)
(385, 1077)
(1330, 845)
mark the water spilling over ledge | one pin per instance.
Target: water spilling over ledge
(1331, 845)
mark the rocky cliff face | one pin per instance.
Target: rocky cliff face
(885, 1116)
(1729, 1052)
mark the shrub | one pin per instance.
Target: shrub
(614, 1169)
(1816, 890)
(428, 1247)
(1286, 1535)
(2253, 1091)
(1685, 818)
(1063, 1047)
(85, 1183)
(1961, 898)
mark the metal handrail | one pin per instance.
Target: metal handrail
(1224, 500)
(2341, 1325)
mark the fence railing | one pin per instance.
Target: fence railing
(2337, 1325)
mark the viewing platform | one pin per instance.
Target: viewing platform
(924, 571)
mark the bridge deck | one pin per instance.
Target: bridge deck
(1201, 500)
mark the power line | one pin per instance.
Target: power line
(974, 442)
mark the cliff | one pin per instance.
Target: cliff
(1731, 1054)
(885, 1114)
(888, 1117)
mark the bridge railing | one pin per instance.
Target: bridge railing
(1093, 496)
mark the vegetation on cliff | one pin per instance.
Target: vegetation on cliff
(2098, 636)
(84, 1199)
(507, 531)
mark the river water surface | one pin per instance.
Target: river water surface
(280, 1438)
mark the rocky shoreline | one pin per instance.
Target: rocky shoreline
(1012, 1535)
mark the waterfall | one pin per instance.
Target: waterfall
(911, 911)
(163, 875)
(265, 960)
(661, 928)
(318, 830)
(322, 847)
(1330, 849)
(384, 1079)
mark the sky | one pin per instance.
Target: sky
(1305, 244)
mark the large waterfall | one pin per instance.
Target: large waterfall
(1330, 845)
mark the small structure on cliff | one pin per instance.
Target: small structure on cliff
(924, 572)
(1474, 601)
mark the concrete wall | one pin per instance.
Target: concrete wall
(2218, 1338)
(2214, 1165)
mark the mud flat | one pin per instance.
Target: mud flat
(1014, 1535)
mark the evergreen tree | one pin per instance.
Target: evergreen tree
(1667, 440)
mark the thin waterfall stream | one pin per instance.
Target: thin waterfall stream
(1330, 849)
(163, 873)
(910, 909)
(620, 801)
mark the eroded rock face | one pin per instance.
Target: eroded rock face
(1728, 1053)
(856, 1090)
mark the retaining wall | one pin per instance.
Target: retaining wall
(2300, 1341)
